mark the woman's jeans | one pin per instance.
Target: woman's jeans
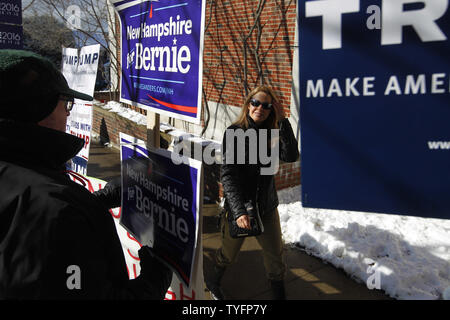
(270, 242)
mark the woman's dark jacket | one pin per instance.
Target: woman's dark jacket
(50, 225)
(244, 182)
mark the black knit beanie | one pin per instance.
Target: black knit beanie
(30, 86)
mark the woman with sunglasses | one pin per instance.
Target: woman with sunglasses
(244, 183)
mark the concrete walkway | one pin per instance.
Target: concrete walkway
(307, 276)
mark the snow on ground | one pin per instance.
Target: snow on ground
(406, 257)
(409, 255)
(122, 111)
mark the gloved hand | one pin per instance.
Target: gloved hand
(156, 275)
(111, 194)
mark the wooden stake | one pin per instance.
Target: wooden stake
(153, 135)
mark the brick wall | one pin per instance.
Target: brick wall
(225, 66)
(288, 175)
(228, 23)
(108, 125)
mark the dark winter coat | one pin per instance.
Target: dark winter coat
(52, 229)
(244, 182)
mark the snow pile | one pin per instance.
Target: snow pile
(410, 255)
(117, 107)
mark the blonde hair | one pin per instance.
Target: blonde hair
(271, 121)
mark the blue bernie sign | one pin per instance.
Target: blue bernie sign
(161, 204)
(161, 56)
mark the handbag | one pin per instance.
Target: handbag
(256, 224)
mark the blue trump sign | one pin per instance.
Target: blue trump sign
(160, 204)
(161, 54)
(375, 107)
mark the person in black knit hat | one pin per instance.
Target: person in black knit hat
(57, 240)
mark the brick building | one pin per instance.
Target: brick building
(246, 43)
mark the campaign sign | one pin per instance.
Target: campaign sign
(374, 105)
(130, 247)
(80, 71)
(160, 204)
(11, 36)
(11, 11)
(161, 56)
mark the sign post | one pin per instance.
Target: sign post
(153, 134)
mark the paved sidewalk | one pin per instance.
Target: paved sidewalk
(307, 277)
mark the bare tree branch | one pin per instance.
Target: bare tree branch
(28, 6)
(97, 21)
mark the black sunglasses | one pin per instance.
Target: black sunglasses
(265, 105)
(68, 103)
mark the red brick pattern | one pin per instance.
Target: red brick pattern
(109, 124)
(228, 23)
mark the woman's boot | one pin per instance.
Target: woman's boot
(213, 283)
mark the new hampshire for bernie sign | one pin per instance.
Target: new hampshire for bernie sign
(161, 43)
